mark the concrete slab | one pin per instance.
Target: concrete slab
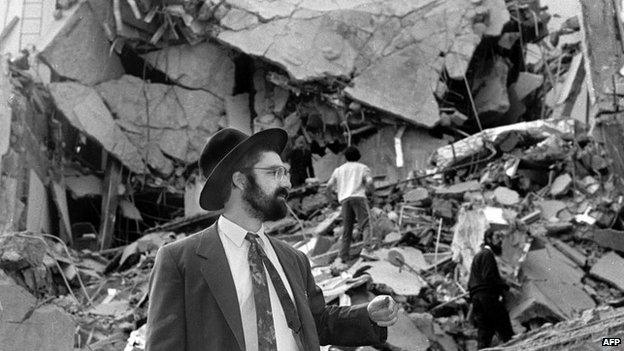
(82, 186)
(609, 268)
(173, 115)
(203, 66)
(81, 51)
(404, 335)
(506, 196)
(458, 189)
(416, 195)
(526, 84)
(561, 185)
(549, 300)
(609, 238)
(460, 151)
(48, 328)
(389, 47)
(550, 208)
(401, 281)
(551, 287)
(85, 110)
(428, 326)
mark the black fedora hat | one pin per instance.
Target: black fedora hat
(221, 154)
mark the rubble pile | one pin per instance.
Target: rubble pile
(471, 114)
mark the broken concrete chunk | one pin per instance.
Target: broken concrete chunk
(389, 48)
(129, 210)
(85, 110)
(458, 190)
(18, 252)
(81, 50)
(552, 287)
(609, 268)
(404, 335)
(428, 326)
(46, 328)
(506, 196)
(84, 186)
(558, 228)
(561, 185)
(416, 195)
(388, 86)
(550, 208)
(460, 151)
(526, 84)
(609, 238)
(165, 115)
(401, 281)
(203, 66)
(571, 253)
(443, 209)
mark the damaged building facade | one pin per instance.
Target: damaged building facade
(470, 113)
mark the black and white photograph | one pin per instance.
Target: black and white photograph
(311, 175)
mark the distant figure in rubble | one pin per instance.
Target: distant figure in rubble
(351, 181)
(231, 287)
(300, 160)
(487, 289)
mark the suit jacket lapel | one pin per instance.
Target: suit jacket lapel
(216, 271)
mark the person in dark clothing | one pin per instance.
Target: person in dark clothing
(300, 160)
(487, 288)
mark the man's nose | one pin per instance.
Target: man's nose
(286, 181)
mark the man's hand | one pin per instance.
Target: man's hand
(383, 310)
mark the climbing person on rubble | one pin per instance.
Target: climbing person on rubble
(487, 288)
(351, 181)
(231, 287)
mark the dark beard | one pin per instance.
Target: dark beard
(263, 206)
(497, 249)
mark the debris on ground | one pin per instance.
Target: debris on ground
(515, 125)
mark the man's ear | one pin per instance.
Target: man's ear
(239, 180)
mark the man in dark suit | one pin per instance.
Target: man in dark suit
(487, 290)
(230, 287)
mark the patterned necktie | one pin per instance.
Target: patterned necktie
(264, 313)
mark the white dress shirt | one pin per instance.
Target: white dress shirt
(236, 248)
(350, 180)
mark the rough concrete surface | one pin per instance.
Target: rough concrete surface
(85, 110)
(405, 335)
(552, 287)
(81, 51)
(47, 328)
(178, 120)
(506, 196)
(609, 268)
(203, 66)
(613, 239)
(395, 51)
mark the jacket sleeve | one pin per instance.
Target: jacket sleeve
(341, 326)
(166, 322)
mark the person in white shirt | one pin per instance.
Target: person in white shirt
(231, 287)
(351, 181)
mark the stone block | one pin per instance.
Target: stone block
(24, 326)
(203, 66)
(81, 51)
(609, 268)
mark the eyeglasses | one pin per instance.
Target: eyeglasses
(279, 172)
